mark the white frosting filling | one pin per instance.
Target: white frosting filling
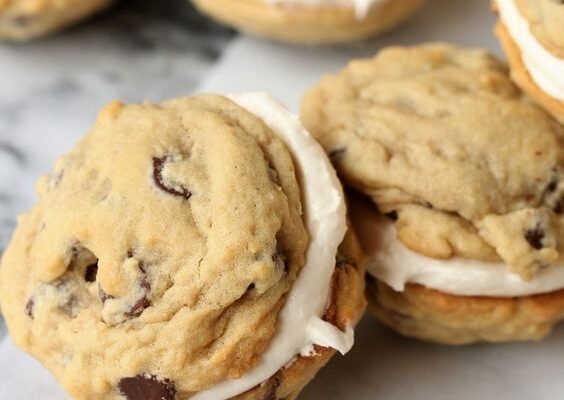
(546, 70)
(361, 6)
(300, 324)
(394, 264)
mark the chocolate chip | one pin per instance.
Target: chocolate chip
(393, 215)
(158, 165)
(552, 185)
(337, 154)
(91, 272)
(29, 308)
(147, 387)
(141, 304)
(534, 237)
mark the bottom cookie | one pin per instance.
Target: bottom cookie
(346, 308)
(434, 316)
(300, 24)
(522, 77)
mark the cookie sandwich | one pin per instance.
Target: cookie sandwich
(311, 21)
(22, 20)
(196, 248)
(466, 179)
(532, 35)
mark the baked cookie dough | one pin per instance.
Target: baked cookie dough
(532, 34)
(311, 21)
(22, 20)
(468, 170)
(170, 249)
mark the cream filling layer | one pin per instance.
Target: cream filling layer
(546, 70)
(300, 324)
(394, 264)
(361, 6)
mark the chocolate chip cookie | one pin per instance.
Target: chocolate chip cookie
(169, 249)
(468, 170)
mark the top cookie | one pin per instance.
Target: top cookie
(442, 140)
(546, 19)
(170, 233)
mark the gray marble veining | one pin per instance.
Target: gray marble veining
(51, 90)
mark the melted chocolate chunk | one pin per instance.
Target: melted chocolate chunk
(147, 387)
(29, 308)
(91, 272)
(158, 165)
(393, 215)
(534, 237)
(141, 304)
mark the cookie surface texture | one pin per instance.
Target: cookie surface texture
(439, 137)
(165, 241)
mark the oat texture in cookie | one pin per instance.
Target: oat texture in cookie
(166, 242)
(441, 139)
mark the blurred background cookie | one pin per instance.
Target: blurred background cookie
(23, 20)
(532, 35)
(311, 21)
(470, 175)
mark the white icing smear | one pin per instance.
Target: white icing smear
(361, 6)
(300, 324)
(393, 263)
(546, 70)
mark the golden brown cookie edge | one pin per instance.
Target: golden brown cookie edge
(313, 25)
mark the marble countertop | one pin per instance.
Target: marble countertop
(51, 90)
